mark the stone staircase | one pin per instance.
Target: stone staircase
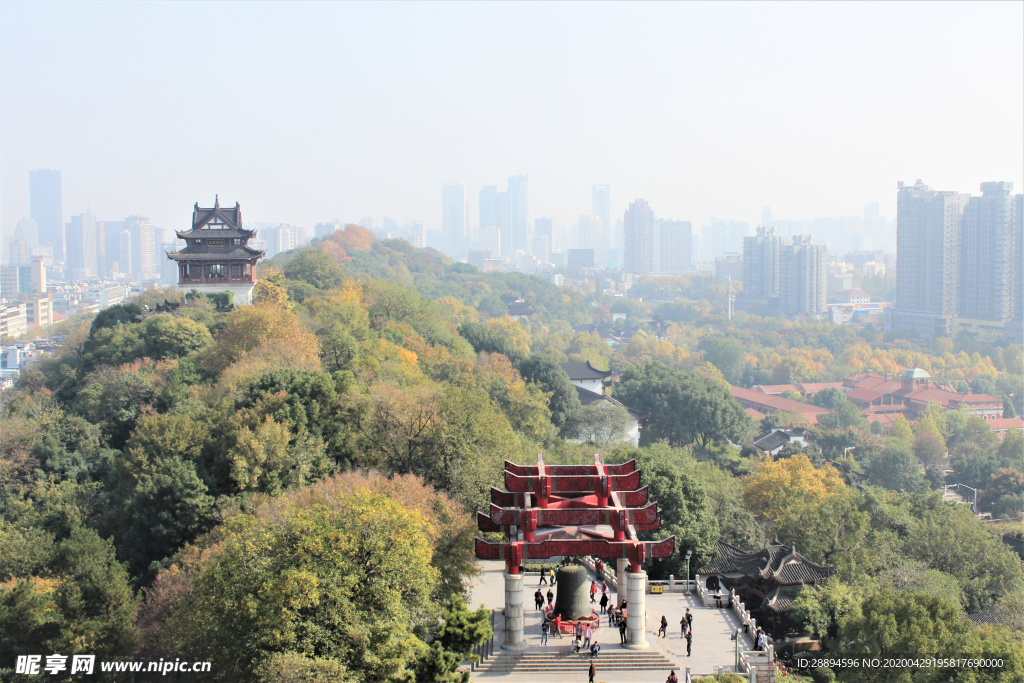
(501, 662)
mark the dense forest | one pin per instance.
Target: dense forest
(285, 489)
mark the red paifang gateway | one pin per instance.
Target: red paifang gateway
(571, 510)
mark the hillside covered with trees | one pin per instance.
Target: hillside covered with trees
(286, 489)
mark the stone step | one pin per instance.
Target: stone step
(562, 662)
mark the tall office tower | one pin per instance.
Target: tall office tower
(80, 238)
(986, 258)
(19, 253)
(638, 221)
(112, 261)
(45, 209)
(927, 246)
(766, 216)
(101, 249)
(803, 276)
(125, 266)
(543, 227)
(490, 241)
(761, 264)
(453, 213)
(601, 204)
(676, 241)
(520, 213)
(1018, 261)
(322, 230)
(143, 246)
(541, 248)
(28, 230)
(488, 207)
(503, 221)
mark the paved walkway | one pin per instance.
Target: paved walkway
(712, 627)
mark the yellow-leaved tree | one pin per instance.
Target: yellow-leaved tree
(777, 486)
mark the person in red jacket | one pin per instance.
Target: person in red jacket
(558, 625)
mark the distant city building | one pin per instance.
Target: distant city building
(803, 277)
(729, 265)
(519, 206)
(761, 264)
(490, 241)
(322, 230)
(927, 231)
(601, 205)
(414, 234)
(19, 252)
(675, 246)
(82, 242)
(13, 319)
(28, 230)
(541, 248)
(990, 255)
(216, 257)
(639, 237)
(46, 209)
(453, 213)
(850, 296)
(580, 259)
(488, 207)
(721, 236)
(282, 238)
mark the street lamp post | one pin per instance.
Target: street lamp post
(688, 553)
(848, 448)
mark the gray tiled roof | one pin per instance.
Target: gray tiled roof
(584, 370)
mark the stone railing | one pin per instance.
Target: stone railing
(759, 666)
(608, 574)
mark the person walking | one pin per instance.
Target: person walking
(551, 575)
(689, 620)
(683, 626)
(689, 641)
(593, 591)
(663, 631)
(622, 631)
(538, 599)
(551, 596)
(591, 673)
(588, 633)
(604, 603)
(604, 587)
(545, 630)
(558, 625)
(543, 577)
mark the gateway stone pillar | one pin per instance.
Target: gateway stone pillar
(620, 580)
(514, 615)
(636, 611)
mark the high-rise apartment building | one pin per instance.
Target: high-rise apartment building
(675, 246)
(45, 209)
(503, 221)
(601, 204)
(143, 248)
(928, 224)
(453, 213)
(490, 241)
(28, 230)
(1018, 261)
(761, 264)
(803, 277)
(322, 230)
(541, 248)
(519, 207)
(82, 241)
(989, 254)
(19, 252)
(638, 222)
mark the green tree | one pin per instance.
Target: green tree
(316, 268)
(725, 354)
(599, 424)
(895, 467)
(552, 379)
(684, 407)
(350, 583)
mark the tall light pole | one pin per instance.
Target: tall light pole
(687, 558)
(848, 448)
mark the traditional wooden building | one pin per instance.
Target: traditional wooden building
(217, 256)
(767, 580)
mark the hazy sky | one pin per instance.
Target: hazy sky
(311, 112)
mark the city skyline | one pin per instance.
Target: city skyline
(784, 143)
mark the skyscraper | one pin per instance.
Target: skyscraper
(45, 209)
(987, 255)
(803, 277)
(675, 246)
(143, 248)
(639, 228)
(520, 212)
(488, 207)
(761, 264)
(81, 240)
(601, 204)
(503, 221)
(28, 230)
(453, 213)
(927, 249)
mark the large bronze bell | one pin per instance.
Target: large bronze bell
(572, 600)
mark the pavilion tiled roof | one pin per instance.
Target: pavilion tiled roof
(778, 563)
(584, 370)
(238, 253)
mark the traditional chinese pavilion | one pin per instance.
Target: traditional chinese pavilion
(573, 510)
(217, 256)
